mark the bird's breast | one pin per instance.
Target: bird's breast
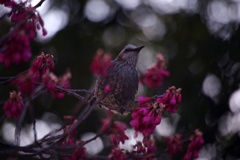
(123, 83)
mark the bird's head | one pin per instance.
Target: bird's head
(129, 54)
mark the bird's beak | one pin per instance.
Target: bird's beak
(139, 48)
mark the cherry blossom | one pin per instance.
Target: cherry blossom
(14, 106)
(100, 63)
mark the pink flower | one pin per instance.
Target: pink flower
(145, 121)
(161, 61)
(41, 65)
(69, 140)
(117, 154)
(146, 117)
(21, 12)
(115, 130)
(8, 3)
(174, 144)
(154, 76)
(147, 146)
(139, 147)
(16, 49)
(18, 14)
(100, 63)
(51, 81)
(194, 146)
(149, 113)
(117, 133)
(14, 106)
(80, 153)
(170, 100)
(25, 83)
(143, 101)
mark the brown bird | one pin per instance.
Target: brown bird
(116, 91)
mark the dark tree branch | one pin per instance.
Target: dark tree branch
(91, 139)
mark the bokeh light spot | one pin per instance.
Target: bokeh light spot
(173, 6)
(54, 21)
(234, 101)
(129, 4)
(128, 145)
(145, 59)
(211, 86)
(165, 128)
(208, 152)
(43, 9)
(8, 130)
(93, 147)
(229, 124)
(27, 134)
(217, 11)
(152, 27)
(97, 10)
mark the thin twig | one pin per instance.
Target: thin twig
(54, 132)
(6, 80)
(38, 5)
(38, 91)
(19, 124)
(71, 93)
(31, 110)
(91, 139)
(83, 115)
(80, 91)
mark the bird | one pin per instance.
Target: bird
(117, 89)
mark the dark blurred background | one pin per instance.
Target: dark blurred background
(199, 38)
